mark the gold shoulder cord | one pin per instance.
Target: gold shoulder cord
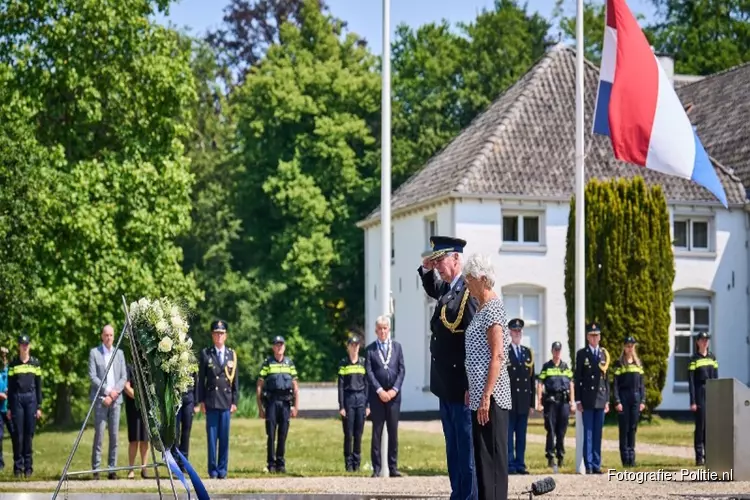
(233, 363)
(530, 364)
(452, 326)
(605, 365)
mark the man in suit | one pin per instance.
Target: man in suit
(108, 400)
(441, 279)
(218, 391)
(592, 396)
(384, 365)
(521, 372)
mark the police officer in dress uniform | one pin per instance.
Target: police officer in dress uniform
(354, 406)
(703, 366)
(25, 403)
(278, 399)
(522, 380)
(630, 398)
(218, 392)
(453, 313)
(592, 396)
(556, 396)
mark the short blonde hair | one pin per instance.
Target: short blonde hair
(383, 320)
(480, 266)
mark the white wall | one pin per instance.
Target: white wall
(536, 272)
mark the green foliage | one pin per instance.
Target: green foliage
(629, 273)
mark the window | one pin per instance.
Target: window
(692, 234)
(526, 303)
(691, 315)
(430, 228)
(522, 228)
(428, 310)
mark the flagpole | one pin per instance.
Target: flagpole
(385, 196)
(580, 247)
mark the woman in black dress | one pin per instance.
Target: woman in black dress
(137, 432)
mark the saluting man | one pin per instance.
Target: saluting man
(354, 406)
(521, 372)
(703, 366)
(592, 396)
(556, 396)
(453, 313)
(278, 399)
(218, 392)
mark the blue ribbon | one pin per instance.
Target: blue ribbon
(200, 490)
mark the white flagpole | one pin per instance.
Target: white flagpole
(580, 247)
(385, 197)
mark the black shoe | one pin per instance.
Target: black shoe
(700, 462)
(523, 472)
(395, 473)
(375, 473)
(112, 475)
(550, 462)
(560, 461)
(281, 470)
(272, 469)
(588, 471)
(349, 468)
(597, 471)
(27, 473)
(17, 473)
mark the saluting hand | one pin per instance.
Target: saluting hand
(427, 263)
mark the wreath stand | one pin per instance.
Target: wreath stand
(138, 372)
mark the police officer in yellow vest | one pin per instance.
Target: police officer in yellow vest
(556, 395)
(703, 366)
(353, 404)
(278, 399)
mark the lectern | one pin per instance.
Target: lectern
(728, 428)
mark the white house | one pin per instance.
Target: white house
(504, 184)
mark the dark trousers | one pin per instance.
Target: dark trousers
(490, 453)
(593, 422)
(184, 426)
(354, 425)
(6, 422)
(217, 429)
(517, 425)
(23, 414)
(556, 415)
(459, 449)
(699, 436)
(384, 414)
(278, 413)
(628, 423)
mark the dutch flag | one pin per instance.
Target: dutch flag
(637, 107)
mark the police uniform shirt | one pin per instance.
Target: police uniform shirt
(278, 377)
(555, 379)
(628, 380)
(352, 383)
(24, 378)
(701, 368)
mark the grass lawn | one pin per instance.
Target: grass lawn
(314, 448)
(660, 431)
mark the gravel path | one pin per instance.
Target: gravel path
(567, 487)
(570, 443)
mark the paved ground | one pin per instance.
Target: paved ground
(570, 443)
(567, 487)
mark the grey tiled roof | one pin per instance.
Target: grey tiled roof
(524, 144)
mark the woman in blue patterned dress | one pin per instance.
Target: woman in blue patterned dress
(489, 397)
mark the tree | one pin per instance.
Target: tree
(111, 92)
(629, 273)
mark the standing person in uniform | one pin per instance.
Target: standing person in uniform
(384, 364)
(185, 421)
(592, 396)
(25, 403)
(353, 404)
(218, 392)
(278, 387)
(521, 372)
(703, 366)
(556, 396)
(630, 398)
(453, 313)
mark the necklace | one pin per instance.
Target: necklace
(387, 358)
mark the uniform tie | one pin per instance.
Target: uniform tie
(221, 357)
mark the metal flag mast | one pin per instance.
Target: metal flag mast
(580, 248)
(385, 195)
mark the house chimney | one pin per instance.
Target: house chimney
(667, 63)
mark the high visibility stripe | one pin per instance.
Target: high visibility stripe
(21, 369)
(278, 368)
(555, 372)
(352, 370)
(628, 369)
(694, 365)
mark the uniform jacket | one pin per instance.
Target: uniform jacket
(380, 377)
(701, 368)
(521, 373)
(279, 376)
(97, 367)
(218, 387)
(628, 383)
(353, 384)
(453, 313)
(24, 378)
(191, 395)
(556, 379)
(592, 386)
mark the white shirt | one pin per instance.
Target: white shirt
(110, 374)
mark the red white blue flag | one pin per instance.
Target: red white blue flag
(637, 107)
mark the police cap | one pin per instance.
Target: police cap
(441, 245)
(278, 339)
(219, 326)
(630, 340)
(516, 324)
(556, 346)
(353, 340)
(593, 329)
(23, 339)
(702, 335)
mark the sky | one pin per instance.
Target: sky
(365, 16)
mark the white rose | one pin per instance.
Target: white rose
(165, 345)
(175, 311)
(189, 343)
(134, 309)
(162, 326)
(185, 357)
(181, 336)
(177, 322)
(143, 303)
